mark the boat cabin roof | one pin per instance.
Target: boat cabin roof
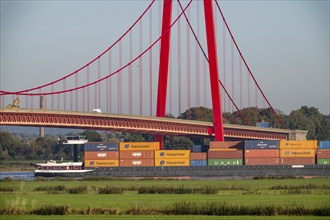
(54, 163)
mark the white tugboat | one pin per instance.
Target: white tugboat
(66, 169)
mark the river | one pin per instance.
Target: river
(17, 175)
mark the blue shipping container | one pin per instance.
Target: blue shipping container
(261, 144)
(198, 163)
(324, 144)
(263, 124)
(200, 148)
(101, 146)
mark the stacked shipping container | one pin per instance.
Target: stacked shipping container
(101, 154)
(323, 153)
(297, 152)
(229, 153)
(261, 152)
(133, 154)
(198, 156)
(172, 158)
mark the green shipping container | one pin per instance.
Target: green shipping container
(323, 161)
(225, 162)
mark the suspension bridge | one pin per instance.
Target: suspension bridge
(166, 63)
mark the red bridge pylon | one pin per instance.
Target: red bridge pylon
(213, 67)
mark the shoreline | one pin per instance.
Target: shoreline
(16, 168)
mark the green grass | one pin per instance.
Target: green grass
(29, 195)
(124, 201)
(129, 183)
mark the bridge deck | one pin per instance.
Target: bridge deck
(130, 123)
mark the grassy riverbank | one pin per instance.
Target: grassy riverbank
(161, 198)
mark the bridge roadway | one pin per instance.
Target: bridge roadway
(135, 124)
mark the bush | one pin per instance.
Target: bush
(7, 189)
(176, 190)
(99, 211)
(51, 210)
(50, 188)
(78, 190)
(110, 190)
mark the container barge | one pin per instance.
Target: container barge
(219, 159)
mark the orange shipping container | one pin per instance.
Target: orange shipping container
(297, 161)
(298, 144)
(198, 156)
(262, 161)
(143, 154)
(323, 154)
(297, 153)
(172, 162)
(226, 144)
(270, 153)
(137, 162)
(224, 149)
(139, 146)
(101, 163)
(159, 154)
(230, 154)
(101, 155)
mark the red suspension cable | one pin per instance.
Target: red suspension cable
(140, 70)
(206, 58)
(88, 96)
(64, 94)
(130, 87)
(247, 66)
(224, 67)
(76, 92)
(150, 62)
(112, 74)
(110, 82)
(120, 81)
(197, 68)
(86, 65)
(179, 65)
(232, 76)
(240, 83)
(99, 84)
(188, 65)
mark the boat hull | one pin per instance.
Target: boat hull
(64, 173)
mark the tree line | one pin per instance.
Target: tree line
(21, 147)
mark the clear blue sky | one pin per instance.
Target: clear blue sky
(286, 43)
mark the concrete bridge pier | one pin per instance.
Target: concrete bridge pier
(298, 135)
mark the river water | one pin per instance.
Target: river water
(17, 175)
